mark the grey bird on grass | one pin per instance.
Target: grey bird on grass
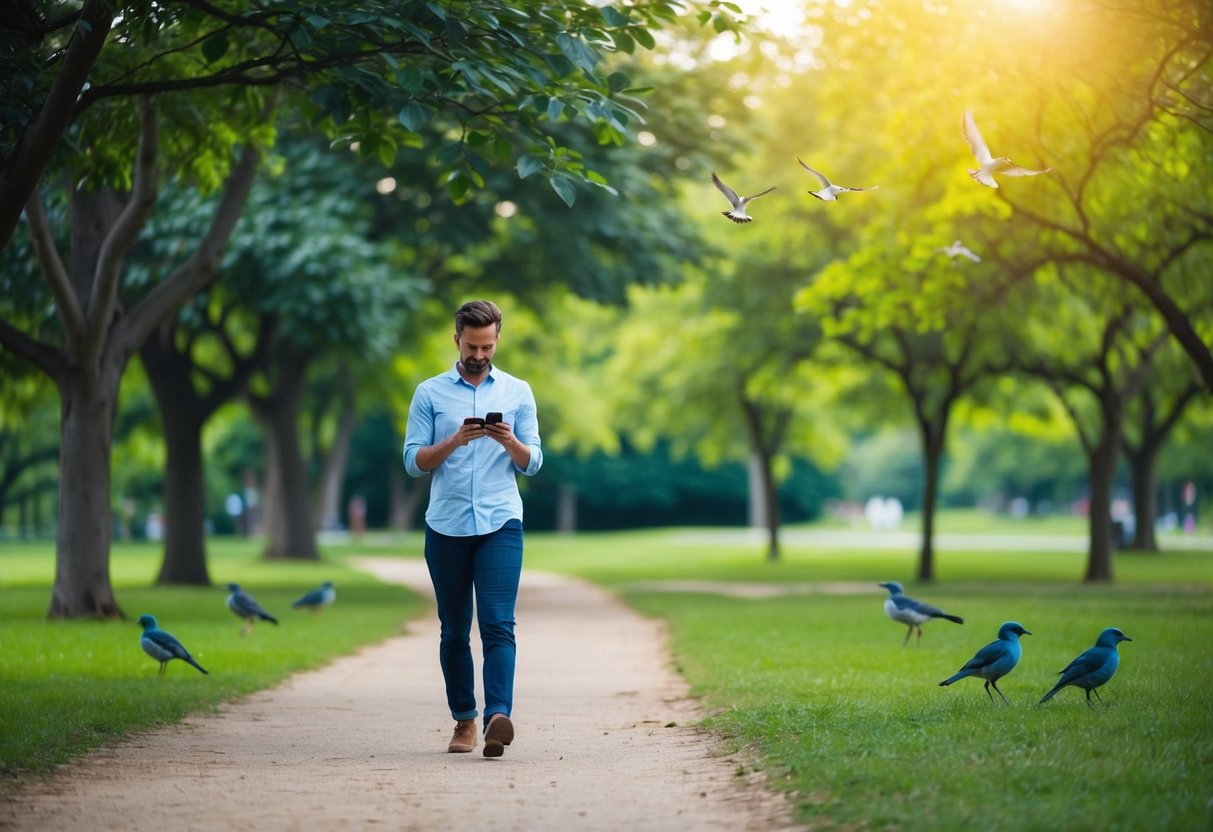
(829, 191)
(317, 599)
(1093, 668)
(162, 646)
(995, 660)
(737, 212)
(243, 605)
(910, 612)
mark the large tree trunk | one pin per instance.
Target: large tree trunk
(290, 533)
(1103, 468)
(82, 581)
(407, 494)
(337, 458)
(566, 508)
(1143, 466)
(932, 453)
(183, 417)
(762, 450)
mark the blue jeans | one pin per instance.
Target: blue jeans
(486, 566)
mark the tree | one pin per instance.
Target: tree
(1152, 416)
(484, 65)
(1095, 368)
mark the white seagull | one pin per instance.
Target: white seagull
(989, 164)
(737, 213)
(829, 191)
(959, 249)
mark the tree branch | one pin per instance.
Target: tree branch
(23, 169)
(125, 232)
(45, 357)
(202, 265)
(54, 272)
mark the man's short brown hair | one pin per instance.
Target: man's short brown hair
(477, 313)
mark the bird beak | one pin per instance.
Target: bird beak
(1025, 633)
(1125, 638)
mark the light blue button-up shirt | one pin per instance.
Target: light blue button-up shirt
(475, 489)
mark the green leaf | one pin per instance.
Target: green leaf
(410, 80)
(555, 109)
(644, 37)
(617, 81)
(613, 17)
(387, 153)
(564, 190)
(475, 139)
(214, 48)
(529, 164)
(414, 115)
(624, 42)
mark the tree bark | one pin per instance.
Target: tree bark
(763, 448)
(182, 416)
(932, 451)
(22, 170)
(1102, 462)
(82, 585)
(290, 532)
(1143, 466)
(566, 508)
(336, 459)
(406, 494)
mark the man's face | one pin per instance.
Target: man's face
(476, 347)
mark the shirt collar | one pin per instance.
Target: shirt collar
(453, 373)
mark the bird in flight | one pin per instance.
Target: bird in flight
(737, 213)
(959, 249)
(989, 164)
(829, 191)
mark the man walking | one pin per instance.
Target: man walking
(473, 429)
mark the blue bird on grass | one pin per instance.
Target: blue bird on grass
(162, 646)
(910, 612)
(1093, 668)
(317, 599)
(241, 603)
(995, 660)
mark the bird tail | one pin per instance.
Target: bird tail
(956, 678)
(195, 664)
(955, 618)
(1050, 694)
(267, 617)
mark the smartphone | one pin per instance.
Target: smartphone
(474, 420)
(492, 418)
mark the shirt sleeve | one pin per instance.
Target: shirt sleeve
(420, 431)
(527, 431)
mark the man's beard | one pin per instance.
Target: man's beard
(476, 366)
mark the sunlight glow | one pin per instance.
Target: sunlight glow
(385, 185)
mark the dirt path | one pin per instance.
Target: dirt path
(360, 744)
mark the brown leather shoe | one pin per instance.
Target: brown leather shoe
(464, 739)
(497, 735)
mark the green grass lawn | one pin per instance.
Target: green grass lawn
(69, 686)
(819, 690)
(816, 689)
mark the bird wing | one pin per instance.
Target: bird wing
(967, 253)
(1087, 662)
(166, 642)
(873, 188)
(825, 183)
(986, 656)
(924, 608)
(1016, 170)
(976, 143)
(316, 596)
(729, 193)
(764, 193)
